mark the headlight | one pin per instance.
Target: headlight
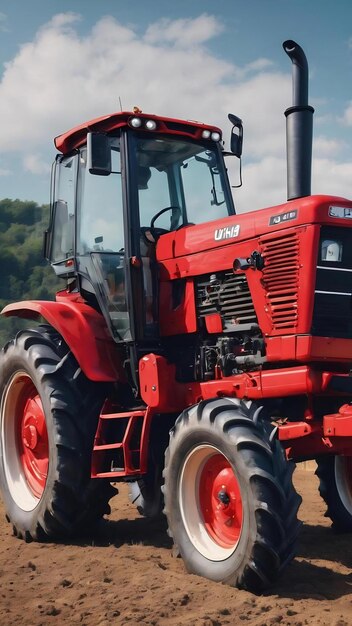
(136, 122)
(206, 134)
(150, 125)
(215, 136)
(331, 250)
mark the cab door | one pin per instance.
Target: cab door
(100, 241)
(60, 245)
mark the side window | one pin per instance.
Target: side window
(64, 209)
(100, 215)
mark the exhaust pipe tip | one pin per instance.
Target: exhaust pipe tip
(299, 126)
(299, 72)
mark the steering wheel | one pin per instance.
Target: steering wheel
(168, 208)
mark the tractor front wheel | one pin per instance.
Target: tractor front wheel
(48, 418)
(229, 500)
(335, 487)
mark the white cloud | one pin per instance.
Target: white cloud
(332, 177)
(184, 32)
(264, 184)
(324, 147)
(61, 79)
(35, 164)
(62, 21)
(258, 65)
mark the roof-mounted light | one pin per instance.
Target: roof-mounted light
(150, 125)
(208, 134)
(136, 122)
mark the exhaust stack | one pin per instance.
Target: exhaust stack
(299, 126)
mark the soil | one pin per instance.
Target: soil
(127, 575)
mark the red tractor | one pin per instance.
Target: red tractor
(194, 353)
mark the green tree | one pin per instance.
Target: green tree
(24, 273)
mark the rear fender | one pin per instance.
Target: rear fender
(83, 329)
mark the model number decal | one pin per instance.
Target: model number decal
(229, 232)
(283, 217)
(340, 211)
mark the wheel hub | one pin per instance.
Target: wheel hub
(224, 497)
(220, 501)
(24, 441)
(33, 440)
(211, 502)
(30, 436)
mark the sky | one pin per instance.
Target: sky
(63, 62)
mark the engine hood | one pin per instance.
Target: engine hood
(235, 228)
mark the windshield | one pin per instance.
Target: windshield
(182, 180)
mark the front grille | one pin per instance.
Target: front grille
(332, 314)
(227, 294)
(280, 279)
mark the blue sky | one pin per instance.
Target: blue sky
(63, 62)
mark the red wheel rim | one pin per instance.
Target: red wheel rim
(220, 501)
(32, 437)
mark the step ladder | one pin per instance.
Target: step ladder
(120, 444)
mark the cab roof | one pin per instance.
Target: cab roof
(75, 137)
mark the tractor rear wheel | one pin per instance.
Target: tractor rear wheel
(229, 499)
(335, 487)
(48, 418)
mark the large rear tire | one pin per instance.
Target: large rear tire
(335, 487)
(48, 418)
(229, 499)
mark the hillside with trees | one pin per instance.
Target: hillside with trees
(23, 272)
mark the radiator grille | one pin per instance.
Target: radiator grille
(280, 279)
(230, 297)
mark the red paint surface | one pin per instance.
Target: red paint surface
(222, 519)
(77, 136)
(32, 437)
(82, 328)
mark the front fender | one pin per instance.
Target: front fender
(83, 329)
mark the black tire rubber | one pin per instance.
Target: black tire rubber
(270, 503)
(71, 501)
(335, 487)
(146, 495)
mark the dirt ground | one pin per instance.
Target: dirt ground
(127, 575)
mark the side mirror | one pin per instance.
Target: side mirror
(236, 135)
(98, 154)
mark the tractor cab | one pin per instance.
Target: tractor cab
(119, 184)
